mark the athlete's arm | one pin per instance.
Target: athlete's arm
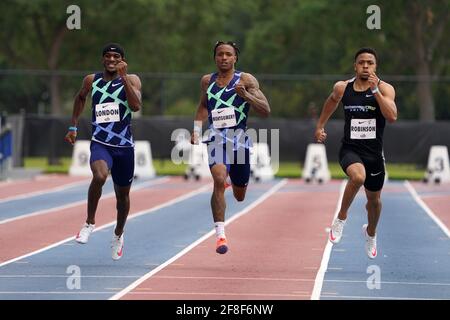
(132, 85)
(248, 88)
(78, 106)
(385, 97)
(202, 110)
(328, 109)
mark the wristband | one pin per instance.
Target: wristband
(375, 90)
(197, 127)
(73, 129)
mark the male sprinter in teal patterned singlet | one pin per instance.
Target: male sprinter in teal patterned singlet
(226, 98)
(115, 95)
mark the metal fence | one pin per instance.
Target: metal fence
(290, 95)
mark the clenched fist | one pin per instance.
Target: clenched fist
(121, 68)
(320, 135)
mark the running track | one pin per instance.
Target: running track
(277, 238)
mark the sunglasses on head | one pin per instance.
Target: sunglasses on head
(231, 43)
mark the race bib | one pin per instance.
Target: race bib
(363, 129)
(223, 118)
(107, 112)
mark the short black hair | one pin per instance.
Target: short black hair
(367, 50)
(230, 43)
(114, 47)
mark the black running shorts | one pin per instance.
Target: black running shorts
(374, 165)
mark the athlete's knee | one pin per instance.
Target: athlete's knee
(239, 196)
(358, 179)
(123, 197)
(374, 203)
(219, 182)
(99, 177)
(239, 193)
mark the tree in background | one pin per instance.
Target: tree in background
(169, 42)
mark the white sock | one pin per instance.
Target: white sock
(220, 229)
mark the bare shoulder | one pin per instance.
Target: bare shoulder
(87, 81)
(386, 85)
(339, 87)
(135, 80)
(249, 80)
(248, 77)
(205, 81)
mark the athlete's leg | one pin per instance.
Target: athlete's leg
(218, 205)
(356, 174)
(100, 171)
(122, 173)
(239, 192)
(373, 207)
(240, 173)
(123, 207)
(373, 185)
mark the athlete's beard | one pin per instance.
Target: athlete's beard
(111, 73)
(364, 78)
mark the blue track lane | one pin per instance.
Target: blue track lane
(413, 255)
(150, 240)
(14, 208)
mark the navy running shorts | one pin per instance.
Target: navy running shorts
(120, 161)
(236, 161)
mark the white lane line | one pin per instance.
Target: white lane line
(77, 203)
(327, 252)
(263, 197)
(424, 206)
(130, 217)
(45, 191)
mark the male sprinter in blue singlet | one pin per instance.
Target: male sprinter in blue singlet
(368, 102)
(226, 98)
(115, 95)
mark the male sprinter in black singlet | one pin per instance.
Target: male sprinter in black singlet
(226, 97)
(115, 95)
(368, 102)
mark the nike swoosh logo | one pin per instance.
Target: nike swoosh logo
(369, 95)
(228, 90)
(115, 84)
(374, 252)
(361, 122)
(331, 236)
(375, 174)
(120, 252)
(220, 111)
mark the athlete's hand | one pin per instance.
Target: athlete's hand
(194, 138)
(70, 137)
(240, 90)
(373, 80)
(320, 135)
(121, 68)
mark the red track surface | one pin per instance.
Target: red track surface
(29, 234)
(275, 253)
(437, 199)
